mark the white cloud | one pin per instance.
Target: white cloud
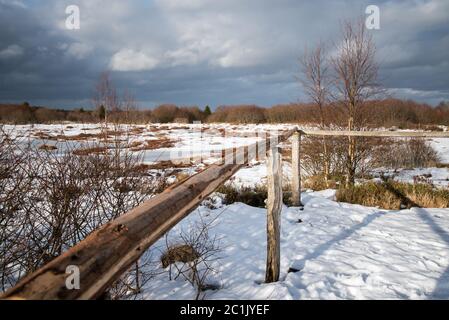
(409, 92)
(79, 50)
(182, 57)
(16, 3)
(240, 56)
(11, 52)
(130, 60)
(182, 4)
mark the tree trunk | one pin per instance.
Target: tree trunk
(326, 163)
(350, 165)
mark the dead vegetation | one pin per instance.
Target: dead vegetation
(90, 151)
(160, 143)
(395, 195)
(78, 137)
(47, 147)
(255, 196)
(43, 136)
(180, 253)
(163, 165)
(50, 201)
(194, 256)
(370, 153)
(135, 144)
(318, 183)
(409, 153)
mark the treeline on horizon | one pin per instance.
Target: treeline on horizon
(377, 113)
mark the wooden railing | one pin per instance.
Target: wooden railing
(384, 134)
(109, 251)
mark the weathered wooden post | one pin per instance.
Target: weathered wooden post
(296, 170)
(274, 206)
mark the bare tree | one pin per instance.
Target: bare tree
(130, 108)
(106, 96)
(316, 83)
(356, 72)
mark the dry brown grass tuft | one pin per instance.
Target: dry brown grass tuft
(47, 147)
(155, 144)
(113, 133)
(135, 144)
(394, 195)
(252, 196)
(79, 137)
(43, 136)
(180, 253)
(318, 183)
(89, 151)
(162, 165)
(137, 130)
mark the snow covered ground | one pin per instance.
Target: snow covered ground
(442, 146)
(341, 251)
(439, 177)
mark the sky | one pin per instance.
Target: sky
(208, 52)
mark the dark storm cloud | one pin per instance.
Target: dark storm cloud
(207, 52)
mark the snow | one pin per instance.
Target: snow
(439, 177)
(343, 251)
(256, 174)
(442, 146)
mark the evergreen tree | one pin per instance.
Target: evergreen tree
(101, 113)
(207, 111)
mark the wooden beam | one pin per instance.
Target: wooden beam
(274, 206)
(296, 170)
(404, 134)
(110, 250)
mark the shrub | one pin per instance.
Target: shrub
(394, 195)
(50, 201)
(195, 256)
(238, 114)
(48, 147)
(318, 183)
(253, 196)
(180, 253)
(405, 153)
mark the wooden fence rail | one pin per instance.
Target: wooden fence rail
(379, 134)
(110, 250)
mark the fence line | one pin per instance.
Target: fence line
(386, 134)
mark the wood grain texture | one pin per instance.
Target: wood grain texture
(274, 206)
(296, 170)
